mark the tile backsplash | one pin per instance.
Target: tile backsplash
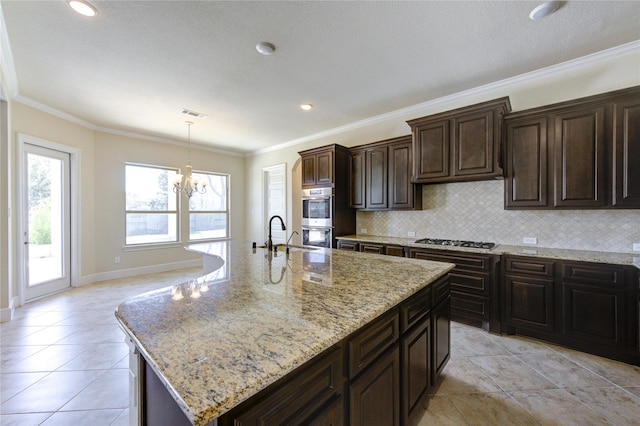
(475, 211)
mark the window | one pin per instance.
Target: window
(151, 205)
(209, 212)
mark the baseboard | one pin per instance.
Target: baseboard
(6, 314)
(132, 272)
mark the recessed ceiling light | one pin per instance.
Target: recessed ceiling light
(545, 9)
(306, 106)
(265, 48)
(83, 7)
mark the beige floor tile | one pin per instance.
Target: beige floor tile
(511, 373)
(12, 384)
(30, 419)
(557, 407)
(563, 372)
(88, 418)
(50, 393)
(634, 390)
(617, 372)
(467, 342)
(461, 376)
(520, 345)
(49, 359)
(491, 409)
(98, 357)
(109, 391)
(439, 410)
(615, 404)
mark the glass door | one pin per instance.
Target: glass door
(47, 234)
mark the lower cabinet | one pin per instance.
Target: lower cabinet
(376, 376)
(474, 292)
(375, 395)
(366, 247)
(590, 307)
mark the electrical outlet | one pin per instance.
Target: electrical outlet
(530, 240)
(636, 246)
(117, 259)
(411, 234)
(363, 230)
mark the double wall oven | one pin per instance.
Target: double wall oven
(317, 217)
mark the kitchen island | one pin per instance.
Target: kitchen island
(249, 330)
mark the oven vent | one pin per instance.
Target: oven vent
(193, 113)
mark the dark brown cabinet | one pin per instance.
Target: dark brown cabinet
(367, 247)
(380, 175)
(474, 293)
(415, 349)
(375, 396)
(579, 158)
(626, 153)
(529, 293)
(579, 154)
(320, 166)
(460, 145)
(526, 163)
(441, 329)
(591, 307)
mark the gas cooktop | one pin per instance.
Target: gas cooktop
(456, 243)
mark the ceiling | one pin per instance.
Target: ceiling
(135, 66)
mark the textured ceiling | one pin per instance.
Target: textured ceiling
(138, 63)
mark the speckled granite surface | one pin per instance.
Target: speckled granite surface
(261, 318)
(563, 254)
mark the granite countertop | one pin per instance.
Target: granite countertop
(262, 317)
(534, 251)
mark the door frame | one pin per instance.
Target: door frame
(74, 182)
(265, 197)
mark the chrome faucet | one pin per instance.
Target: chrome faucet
(289, 240)
(270, 241)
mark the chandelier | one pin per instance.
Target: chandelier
(190, 184)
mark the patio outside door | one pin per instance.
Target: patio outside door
(47, 234)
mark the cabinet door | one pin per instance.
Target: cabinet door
(324, 168)
(529, 302)
(526, 184)
(397, 251)
(357, 180)
(416, 365)
(375, 398)
(431, 147)
(473, 145)
(626, 155)
(579, 158)
(376, 180)
(401, 190)
(308, 170)
(441, 343)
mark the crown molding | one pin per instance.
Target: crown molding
(573, 64)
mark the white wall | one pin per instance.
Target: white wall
(604, 72)
(103, 156)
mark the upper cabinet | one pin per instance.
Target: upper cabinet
(380, 176)
(464, 144)
(575, 155)
(319, 165)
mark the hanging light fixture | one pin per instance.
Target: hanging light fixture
(190, 184)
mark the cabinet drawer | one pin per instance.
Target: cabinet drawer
(441, 289)
(593, 273)
(466, 261)
(372, 248)
(301, 396)
(369, 343)
(412, 310)
(470, 283)
(470, 306)
(529, 266)
(348, 245)
(394, 251)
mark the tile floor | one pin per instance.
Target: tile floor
(64, 362)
